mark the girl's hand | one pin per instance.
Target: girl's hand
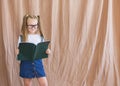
(17, 51)
(48, 51)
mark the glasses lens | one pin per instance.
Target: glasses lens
(32, 26)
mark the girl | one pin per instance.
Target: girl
(31, 32)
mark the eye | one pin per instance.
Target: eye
(32, 26)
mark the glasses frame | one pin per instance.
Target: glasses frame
(35, 26)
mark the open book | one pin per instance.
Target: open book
(30, 51)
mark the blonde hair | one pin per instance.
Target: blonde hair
(24, 26)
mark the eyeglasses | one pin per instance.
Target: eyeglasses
(32, 26)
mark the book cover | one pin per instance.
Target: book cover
(30, 51)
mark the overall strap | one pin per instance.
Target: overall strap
(42, 39)
(21, 38)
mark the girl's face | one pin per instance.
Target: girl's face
(32, 25)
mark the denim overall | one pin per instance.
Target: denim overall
(32, 69)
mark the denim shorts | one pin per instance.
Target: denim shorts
(32, 69)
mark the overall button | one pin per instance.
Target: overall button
(34, 68)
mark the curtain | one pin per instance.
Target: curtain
(85, 41)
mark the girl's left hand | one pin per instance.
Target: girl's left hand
(48, 51)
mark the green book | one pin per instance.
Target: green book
(30, 51)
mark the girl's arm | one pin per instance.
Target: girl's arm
(19, 41)
(17, 51)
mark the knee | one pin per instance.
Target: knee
(43, 81)
(44, 84)
(27, 83)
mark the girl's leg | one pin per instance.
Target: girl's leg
(43, 81)
(27, 82)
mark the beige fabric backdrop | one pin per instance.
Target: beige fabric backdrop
(85, 41)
